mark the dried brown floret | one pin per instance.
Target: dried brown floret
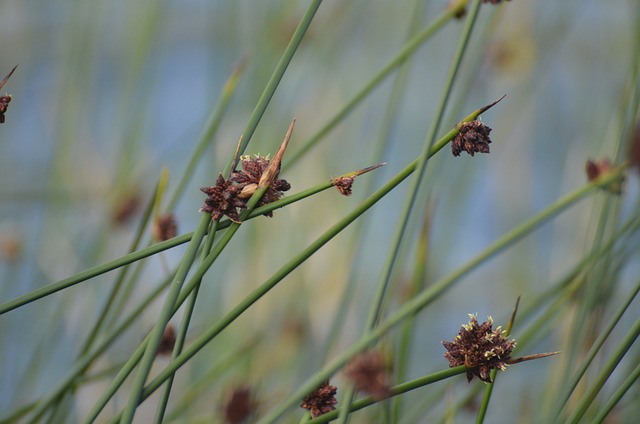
(6, 99)
(479, 347)
(252, 170)
(472, 138)
(222, 199)
(168, 341)
(239, 406)
(127, 207)
(597, 168)
(369, 373)
(343, 184)
(321, 400)
(165, 227)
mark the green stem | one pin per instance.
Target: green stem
(210, 129)
(165, 315)
(84, 362)
(394, 391)
(432, 292)
(182, 333)
(274, 81)
(605, 409)
(405, 53)
(605, 373)
(595, 348)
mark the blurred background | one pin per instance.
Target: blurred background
(106, 94)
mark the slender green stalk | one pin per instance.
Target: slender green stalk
(148, 251)
(83, 363)
(97, 327)
(605, 373)
(405, 53)
(622, 389)
(206, 381)
(165, 315)
(210, 128)
(385, 275)
(274, 81)
(182, 333)
(394, 391)
(595, 348)
(432, 292)
(92, 272)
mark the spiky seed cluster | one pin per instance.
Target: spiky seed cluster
(165, 227)
(6, 99)
(472, 138)
(252, 170)
(228, 196)
(597, 168)
(321, 400)
(344, 184)
(4, 104)
(239, 406)
(168, 341)
(479, 347)
(369, 373)
(222, 199)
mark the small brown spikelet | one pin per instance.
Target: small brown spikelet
(240, 406)
(165, 227)
(599, 167)
(127, 208)
(369, 373)
(479, 347)
(252, 170)
(472, 138)
(344, 184)
(168, 341)
(321, 400)
(6, 99)
(222, 199)
(493, 1)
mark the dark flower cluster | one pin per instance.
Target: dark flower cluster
(6, 99)
(240, 406)
(168, 341)
(479, 347)
(344, 184)
(472, 138)
(229, 196)
(493, 1)
(165, 227)
(321, 400)
(369, 373)
(599, 167)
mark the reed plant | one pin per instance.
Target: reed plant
(330, 240)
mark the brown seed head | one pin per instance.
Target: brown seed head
(368, 373)
(6, 99)
(479, 347)
(321, 400)
(127, 208)
(343, 184)
(222, 199)
(249, 178)
(168, 341)
(472, 138)
(165, 227)
(240, 406)
(599, 167)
